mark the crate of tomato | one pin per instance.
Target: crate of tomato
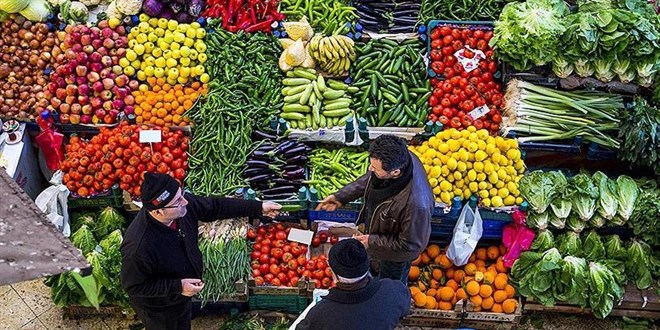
(464, 76)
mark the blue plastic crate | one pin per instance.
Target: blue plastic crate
(492, 229)
(566, 147)
(596, 152)
(347, 213)
(474, 25)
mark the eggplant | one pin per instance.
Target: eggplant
(284, 146)
(251, 172)
(280, 190)
(300, 159)
(299, 150)
(405, 21)
(294, 174)
(259, 178)
(286, 182)
(257, 163)
(412, 13)
(289, 168)
(261, 135)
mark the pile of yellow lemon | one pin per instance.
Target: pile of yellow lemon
(467, 162)
(164, 48)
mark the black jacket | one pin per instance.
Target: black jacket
(155, 257)
(379, 306)
(400, 227)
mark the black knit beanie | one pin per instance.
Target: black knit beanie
(348, 258)
(157, 190)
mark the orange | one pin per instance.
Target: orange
(454, 300)
(476, 309)
(431, 303)
(503, 250)
(473, 257)
(437, 274)
(445, 306)
(489, 277)
(479, 276)
(487, 303)
(445, 262)
(425, 258)
(472, 288)
(413, 274)
(446, 293)
(414, 290)
(160, 122)
(470, 269)
(431, 292)
(485, 290)
(510, 291)
(492, 268)
(434, 284)
(499, 265)
(480, 264)
(433, 251)
(499, 296)
(497, 308)
(509, 306)
(460, 294)
(476, 300)
(417, 261)
(450, 273)
(481, 254)
(492, 253)
(452, 284)
(420, 299)
(500, 282)
(458, 275)
(422, 286)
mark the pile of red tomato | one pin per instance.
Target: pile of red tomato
(116, 156)
(279, 262)
(457, 92)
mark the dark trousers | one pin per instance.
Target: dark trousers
(394, 270)
(178, 319)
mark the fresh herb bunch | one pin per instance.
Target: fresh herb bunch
(639, 133)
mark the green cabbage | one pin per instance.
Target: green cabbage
(36, 11)
(575, 224)
(607, 198)
(640, 264)
(108, 220)
(569, 244)
(84, 239)
(538, 189)
(604, 290)
(544, 240)
(627, 195)
(13, 6)
(573, 279)
(614, 248)
(537, 220)
(586, 194)
(593, 247)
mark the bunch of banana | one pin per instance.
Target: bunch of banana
(333, 54)
(312, 103)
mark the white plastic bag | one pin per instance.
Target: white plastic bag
(467, 232)
(53, 202)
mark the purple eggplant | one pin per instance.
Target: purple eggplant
(280, 190)
(261, 135)
(258, 163)
(254, 171)
(259, 178)
(299, 150)
(284, 146)
(290, 168)
(300, 159)
(298, 174)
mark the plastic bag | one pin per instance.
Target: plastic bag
(53, 202)
(517, 238)
(467, 232)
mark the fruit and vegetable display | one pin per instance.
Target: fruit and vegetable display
(463, 163)
(165, 105)
(312, 102)
(468, 95)
(392, 80)
(115, 156)
(27, 49)
(388, 16)
(483, 283)
(276, 170)
(179, 10)
(326, 16)
(249, 16)
(332, 169)
(470, 10)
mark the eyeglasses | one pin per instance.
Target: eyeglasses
(177, 203)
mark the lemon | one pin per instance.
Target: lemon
(509, 200)
(459, 184)
(445, 185)
(497, 201)
(452, 164)
(124, 62)
(202, 58)
(444, 159)
(503, 192)
(478, 166)
(482, 134)
(456, 156)
(513, 154)
(458, 176)
(200, 46)
(114, 22)
(511, 186)
(443, 148)
(129, 71)
(501, 173)
(458, 192)
(467, 193)
(445, 135)
(444, 170)
(499, 184)
(430, 153)
(493, 178)
(481, 177)
(435, 172)
(436, 190)
(172, 25)
(490, 149)
(483, 193)
(483, 185)
(433, 182)
(480, 155)
(425, 161)
(486, 202)
(465, 134)
(444, 196)
(472, 175)
(461, 166)
(159, 72)
(515, 192)
(488, 167)
(471, 129)
(455, 134)
(473, 136)
(423, 148)
(464, 155)
(519, 200)
(474, 187)
(437, 161)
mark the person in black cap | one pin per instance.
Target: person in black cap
(358, 301)
(161, 261)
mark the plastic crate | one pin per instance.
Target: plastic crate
(300, 200)
(492, 229)
(596, 152)
(473, 25)
(113, 198)
(567, 147)
(542, 76)
(289, 304)
(347, 213)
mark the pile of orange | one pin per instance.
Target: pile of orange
(163, 104)
(483, 283)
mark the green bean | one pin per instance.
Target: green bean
(327, 16)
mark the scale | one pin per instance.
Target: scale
(13, 134)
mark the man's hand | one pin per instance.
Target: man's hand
(330, 203)
(271, 209)
(191, 286)
(364, 239)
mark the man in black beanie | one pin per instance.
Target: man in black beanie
(358, 301)
(398, 204)
(161, 261)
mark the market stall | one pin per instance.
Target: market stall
(539, 119)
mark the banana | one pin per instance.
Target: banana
(337, 45)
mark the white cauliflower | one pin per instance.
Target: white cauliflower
(90, 2)
(128, 7)
(112, 11)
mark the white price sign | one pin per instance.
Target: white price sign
(150, 136)
(479, 112)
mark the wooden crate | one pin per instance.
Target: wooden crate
(434, 318)
(635, 303)
(490, 320)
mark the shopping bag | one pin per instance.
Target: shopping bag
(53, 202)
(467, 232)
(517, 238)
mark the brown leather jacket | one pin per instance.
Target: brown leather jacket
(400, 227)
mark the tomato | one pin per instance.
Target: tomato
(265, 249)
(454, 99)
(455, 122)
(482, 45)
(270, 235)
(287, 256)
(255, 255)
(496, 99)
(436, 54)
(277, 253)
(448, 40)
(447, 113)
(283, 278)
(492, 67)
(317, 285)
(437, 67)
(307, 274)
(471, 42)
(437, 43)
(281, 235)
(83, 192)
(316, 241)
(496, 118)
(465, 34)
(274, 269)
(448, 73)
(276, 281)
(478, 34)
(156, 158)
(323, 236)
(457, 45)
(318, 274)
(456, 34)
(488, 35)
(296, 250)
(310, 265)
(168, 158)
(495, 127)
(447, 87)
(321, 264)
(302, 260)
(256, 272)
(478, 124)
(446, 51)
(487, 76)
(479, 101)
(259, 280)
(328, 272)
(445, 30)
(334, 239)
(292, 263)
(264, 268)
(326, 282)
(294, 280)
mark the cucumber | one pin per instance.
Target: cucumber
(295, 81)
(333, 94)
(295, 90)
(339, 100)
(291, 208)
(305, 95)
(320, 81)
(337, 113)
(296, 108)
(302, 73)
(334, 84)
(292, 98)
(353, 89)
(337, 106)
(292, 116)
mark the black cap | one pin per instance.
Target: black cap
(157, 190)
(348, 259)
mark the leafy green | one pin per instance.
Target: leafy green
(639, 133)
(537, 220)
(110, 260)
(84, 239)
(604, 290)
(561, 205)
(555, 221)
(597, 221)
(627, 196)
(528, 33)
(593, 247)
(573, 278)
(614, 248)
(543, 241)
(575, 224)
(569, 243)
(539, 279)
(607, 198)
(538, 190)
(640, 264)
(79, 219)
(108, 220)
(561, 67)
(646, 214)
(586, 194)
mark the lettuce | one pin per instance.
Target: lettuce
(640, 264)
(569, 243)
(573, 279)
(538, 278)
(84, 239)
(593, 247)
(561, 67)
(603, 68)
(607, 198)
(575, 224)
(537, 220)
(586, 194)
(108, 220)
(627, 192)
(544, 240)
(614, 248)
(561, 205)
(555, 221)
(538, 190)
(604, 290)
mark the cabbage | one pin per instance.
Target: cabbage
(607, 198)
(569, 243)
(593, 247)
(13, 6)
(586, 194)
(544, 240)
(537, 220)
(639, 264)
(538, 190)
(627, 192)
(575, 224)
(84, 239)
(573, 280)
(108, 220)
(614, 248)
(36, 11)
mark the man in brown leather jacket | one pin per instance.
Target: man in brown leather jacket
(398, 204)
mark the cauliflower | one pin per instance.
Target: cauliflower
(128, 7)
(77, 12)
(90, 2)
(112, 11)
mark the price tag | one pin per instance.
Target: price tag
(150, 136)
(479, 112)
(469, 63)
(301, 236)
(321, 132)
